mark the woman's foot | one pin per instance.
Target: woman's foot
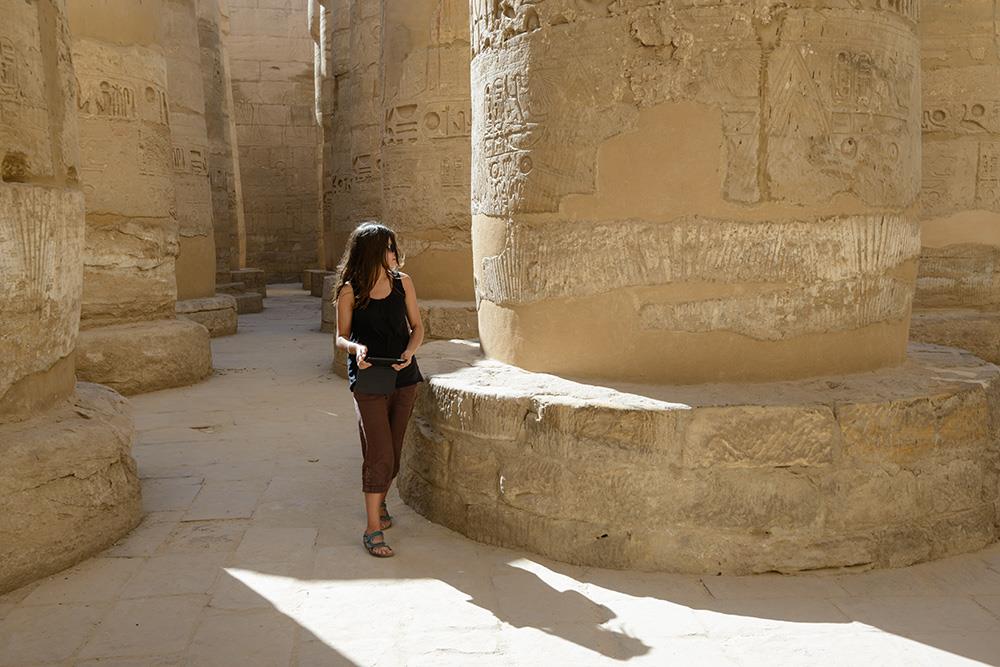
(385, 519)
(375, 544)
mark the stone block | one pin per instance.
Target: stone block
(308, 275)
(217, 314)
(449, 319)
(316, 281)
(249, 302)
(328, 323)
(232, 288)
(761, 436)
(866, 470)
(254, 280)
(145, 356)
(68, 485)
(977, 331)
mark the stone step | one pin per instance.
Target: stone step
(233, 288)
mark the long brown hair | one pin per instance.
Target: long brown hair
(364, 260)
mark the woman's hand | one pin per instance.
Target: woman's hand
(407, 357)
(360, 352)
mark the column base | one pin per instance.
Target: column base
(328, 321)
(312, 280)
(246, 301)
(254, 280)
(68, 485)
(217, 314)
(144, 356)
(977, 331)
(879, 469)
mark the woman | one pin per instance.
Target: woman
(377, 316)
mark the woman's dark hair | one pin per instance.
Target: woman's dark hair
(364, 260)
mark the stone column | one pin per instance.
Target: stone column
(223, 155)
(958, 285)
(132, 339)
(335, 48)
(247, 285)
(357, 184)
(679, 198)
(427, 122)
(68, 484)
(639, 176)
(196, 257)
(337, 162)
(272, 59)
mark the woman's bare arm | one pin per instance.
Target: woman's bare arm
(345, 313)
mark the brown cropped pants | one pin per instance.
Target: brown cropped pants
(382, 425)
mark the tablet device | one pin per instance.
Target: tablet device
(384, 361)
(376, 380)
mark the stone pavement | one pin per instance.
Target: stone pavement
(250, 554)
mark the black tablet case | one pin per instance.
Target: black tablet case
(376, 380)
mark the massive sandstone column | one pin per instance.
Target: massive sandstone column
(675, 193)
(427, 122)
(338, 170)
(68, 484)
(958, 286)
(247, 285)
(196, 258)
(271, 54)
(640, 178)
(357, 183)
(223, 156)
(133, 341)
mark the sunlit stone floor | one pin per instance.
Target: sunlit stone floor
(250, 555)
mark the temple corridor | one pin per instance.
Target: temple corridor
(250, 554)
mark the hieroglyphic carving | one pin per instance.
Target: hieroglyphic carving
(410, 123)
(988, 176)
(190, 160)
(969, 116)
(848, 105)
(157, 108)
(154, 151)
(509, 133)
(106, 99)
(9, 84)
(909, 9)
(493, 22)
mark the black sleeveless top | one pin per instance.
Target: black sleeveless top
(382, 327)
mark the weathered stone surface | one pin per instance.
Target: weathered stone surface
(125, 149)
(774, 242)
(68, 484)
(271, 53)
(145, 356)
(960, 197)
(254, 280)
(249, 302)
(449, 319)
(317, 281)
(217, 314)
(334, 51)
(426, 145)
(878, 469)
(196, 259)
(977, 331)
(223, 158)
(40, 229)
(328, 321)
(356, 194)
